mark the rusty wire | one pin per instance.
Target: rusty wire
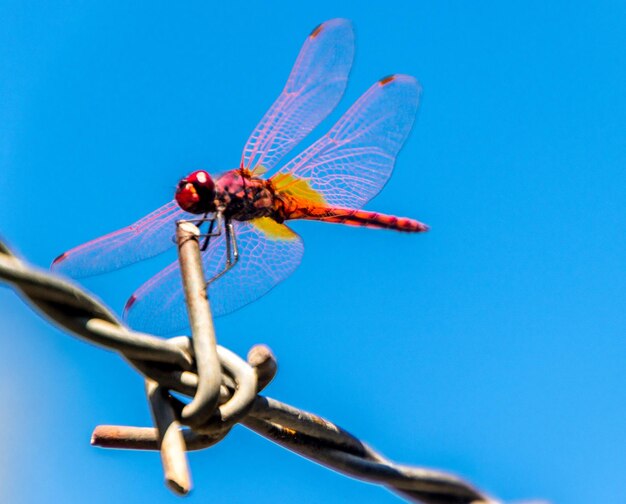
(223, 389)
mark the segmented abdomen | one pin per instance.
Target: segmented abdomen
(356, 218)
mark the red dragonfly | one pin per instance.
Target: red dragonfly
(245, 213)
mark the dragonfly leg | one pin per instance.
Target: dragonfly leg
(211, 226)
(233, 236)
(209, 234)
(199, 222)
(232, 252)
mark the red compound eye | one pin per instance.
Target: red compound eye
(196, 193)
(202, 179)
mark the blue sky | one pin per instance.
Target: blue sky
(493, 346)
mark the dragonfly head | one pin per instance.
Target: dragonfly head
(196, 193)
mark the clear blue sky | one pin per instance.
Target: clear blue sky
(493, 346)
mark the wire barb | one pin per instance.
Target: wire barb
(170, 438)
(223, 389)
(203, 404)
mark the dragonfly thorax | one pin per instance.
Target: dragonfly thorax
(242, 196)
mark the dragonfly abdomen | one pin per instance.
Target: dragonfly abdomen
(354, 217)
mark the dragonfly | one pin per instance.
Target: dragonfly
(247, 247)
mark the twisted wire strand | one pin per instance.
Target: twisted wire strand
(223, 389)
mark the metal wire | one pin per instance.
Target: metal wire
(223, 389)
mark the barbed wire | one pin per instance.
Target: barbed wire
(223, 388)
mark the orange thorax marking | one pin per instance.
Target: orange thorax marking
(295, 198)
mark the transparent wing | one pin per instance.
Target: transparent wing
(145, 238)
(268, 253)
(353, 161)
(315, 86)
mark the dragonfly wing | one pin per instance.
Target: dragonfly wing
(315, 86)
(350, 164)
(145, 238)
(268, 253)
